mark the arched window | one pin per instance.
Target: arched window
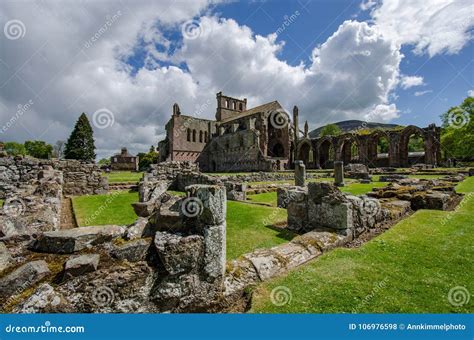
(205, 136)
(194, 135)
(226, 103)
(200, 136)
(241, 107)
(233, 105)
(188, 135)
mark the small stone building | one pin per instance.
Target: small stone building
(124, 161)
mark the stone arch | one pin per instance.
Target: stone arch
(405, 136)
(347, 149)
(325, 152)
(194, 135)
(188, 133)
(378, 151)
(303, 152)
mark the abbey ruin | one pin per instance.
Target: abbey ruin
(264, 139)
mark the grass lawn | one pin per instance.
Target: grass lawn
(124, 176)
(112, 208)
(249, 228)
(266, 197)
(409, 269)
(361, 189)
(248, 225)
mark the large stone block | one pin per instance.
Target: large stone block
(80, 265)
(179, 254)
(132, 251)
(205, 204)
(5, 257)
(215, 251)
(71, 240)
(22, 278)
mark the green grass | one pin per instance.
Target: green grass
(361, 189)
(124, 176)
(249, 226)
(409, 269)
(112, 208)
(266, 197)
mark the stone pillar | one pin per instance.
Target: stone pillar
(193, 255)
(339, 173)
(300, 173)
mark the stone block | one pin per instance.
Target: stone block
(80, 265)
(205, 204)
(5, 257)
(132, 251)
(215, 251)
(179, 254)
(71, 240)
(22, 278)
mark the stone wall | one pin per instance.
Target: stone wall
(148, 267)
(79, 178)
(33, 206)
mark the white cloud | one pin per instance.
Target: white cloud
(432, 27)
(353, 74)
(422, 93)
(368, 4)
(411, 81)
(470, 93)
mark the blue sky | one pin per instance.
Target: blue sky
(447, 77)
(126, 62)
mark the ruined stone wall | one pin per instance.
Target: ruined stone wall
(239, 151)
(186, 138)
(80, 178)
(366, 146)
(34, 206)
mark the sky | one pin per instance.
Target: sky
(124, 63)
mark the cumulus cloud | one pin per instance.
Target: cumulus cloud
(84, 56)
(411, 81)
(432, 27)
(470, 93)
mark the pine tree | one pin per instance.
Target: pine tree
(80, 144)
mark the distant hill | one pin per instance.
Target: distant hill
(351, 125)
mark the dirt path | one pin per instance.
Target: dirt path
(67, 215)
